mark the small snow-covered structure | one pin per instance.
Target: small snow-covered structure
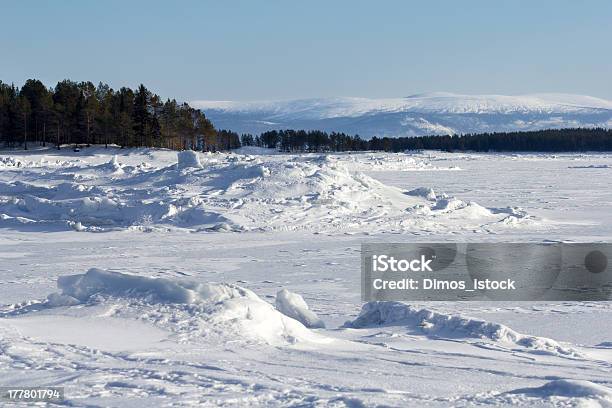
(293, 305)
(188, 159)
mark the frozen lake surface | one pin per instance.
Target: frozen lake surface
(223, 234)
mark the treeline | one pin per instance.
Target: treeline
(305, 141)
(550, 140)
(83, 114)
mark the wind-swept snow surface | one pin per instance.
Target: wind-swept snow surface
(114, 338)
(132, 280)
(567, 388)
(227, 192)
(415, 115)
(442, 325)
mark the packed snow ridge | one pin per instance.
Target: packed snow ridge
(193, 310)
(431, 323)
(422, 114)
(569, 388)
(234, 193)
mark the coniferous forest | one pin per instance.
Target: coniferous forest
(84, 114)
(549, 140)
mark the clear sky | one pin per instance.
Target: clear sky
(273, 49)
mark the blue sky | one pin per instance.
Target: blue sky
(272, 49)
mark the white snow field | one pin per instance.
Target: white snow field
(145, 278)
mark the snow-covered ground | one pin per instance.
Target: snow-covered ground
(143, 278)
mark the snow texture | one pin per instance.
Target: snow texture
(132, 281)
(569, 388)
(451, 326)
(230, 309)
(188, 159)
(293, 305)
(238, 193)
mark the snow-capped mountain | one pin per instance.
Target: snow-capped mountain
(422, 114)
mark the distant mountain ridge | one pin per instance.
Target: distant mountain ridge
(414, 115)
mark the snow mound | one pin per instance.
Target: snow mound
(10, 162)
(425, 192)
(188, 159)
(437, 324)
(193, 310)
(468, 209)
(293, 305)
(568, 388)
(113, 166)
(235, 193)
(255, 150)
(159, 290)
(389, 162)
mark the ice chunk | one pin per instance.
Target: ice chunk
(114, 165)
(424, 192)
(57, 300)
(188, 159)
(293, 305)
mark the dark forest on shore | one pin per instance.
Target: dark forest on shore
(84, 114)
(550, 140)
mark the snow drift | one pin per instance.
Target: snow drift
(431, 323)
(293, 305)
(81, 288)
(191, 309)
(569, 388)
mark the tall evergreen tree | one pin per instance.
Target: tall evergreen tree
(141, 114)
(23, 110)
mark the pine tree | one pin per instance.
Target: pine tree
(36, 93)
(23, 110)
(141, 115)
(104, 118)
(90, 110)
